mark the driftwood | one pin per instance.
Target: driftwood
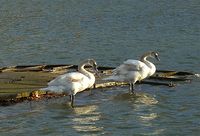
(19, 83)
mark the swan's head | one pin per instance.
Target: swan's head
(93, 63)
(151, 54)
(154, 54)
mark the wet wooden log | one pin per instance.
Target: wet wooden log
(19, 83)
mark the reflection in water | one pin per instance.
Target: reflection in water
(148, 117)
(143, 110)
(145, 99)
(139, 98)
(14, 118)
(144, 105)
(87, 109)
(86, 118)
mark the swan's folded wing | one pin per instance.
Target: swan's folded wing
(67, 78)
(75, 77)
(129, 65)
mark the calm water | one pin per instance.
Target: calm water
(110, 31)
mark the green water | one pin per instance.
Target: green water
(110, 31)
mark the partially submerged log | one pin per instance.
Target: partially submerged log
(19, 83)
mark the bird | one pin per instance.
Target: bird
(134, 70)
(74, 82)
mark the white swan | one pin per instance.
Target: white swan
(74, 82)
(134, 70)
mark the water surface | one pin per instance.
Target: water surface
(60, 32)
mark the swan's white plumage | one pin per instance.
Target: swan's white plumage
(130, 70)
(71, 83)
(134, 70)
(74, 82)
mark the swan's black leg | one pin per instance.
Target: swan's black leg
(94, 86)
(70, 97)
(30, 105)
(90, 89)
(72, 100)
(131, 88)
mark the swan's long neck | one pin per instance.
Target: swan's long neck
(82, 70)
(149, 64)
(144, 59)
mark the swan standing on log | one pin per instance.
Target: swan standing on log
(74, 82)
(134, 70)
